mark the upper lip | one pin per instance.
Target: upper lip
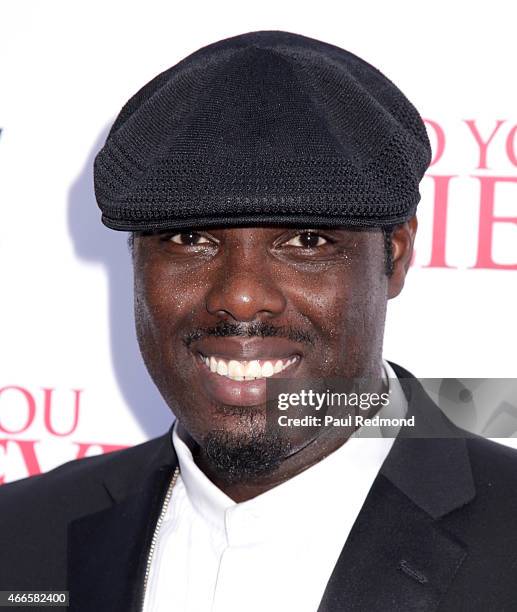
(247, 349)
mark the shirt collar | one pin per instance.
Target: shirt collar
(395, 409)
(207, 499)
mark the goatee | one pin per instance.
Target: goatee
(241, 457)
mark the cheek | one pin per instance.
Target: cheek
(164, 300)
(347, 306)
(335, 299)
(364, 317)
(166, 291)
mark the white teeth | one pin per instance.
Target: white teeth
(253, 370)
(267, 369)
(235, 368)
(222, 367)
(242, 370)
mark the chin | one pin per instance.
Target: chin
(239, 456)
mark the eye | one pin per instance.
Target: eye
(189, 238)
(307, 240)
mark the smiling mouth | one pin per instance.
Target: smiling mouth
(255, 369)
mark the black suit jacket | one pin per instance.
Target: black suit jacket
(436, 532)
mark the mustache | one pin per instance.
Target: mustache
(258, 329)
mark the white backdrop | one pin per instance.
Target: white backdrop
(71, 379)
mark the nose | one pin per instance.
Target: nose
(245, 295)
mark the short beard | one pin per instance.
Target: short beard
(239, 458)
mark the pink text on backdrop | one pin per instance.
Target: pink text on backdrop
(483, 142)
(40, 410)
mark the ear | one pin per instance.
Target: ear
(402, 241)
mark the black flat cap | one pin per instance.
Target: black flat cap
(263, 128)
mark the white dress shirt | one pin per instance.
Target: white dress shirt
(273, 552)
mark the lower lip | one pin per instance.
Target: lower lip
(224, 390)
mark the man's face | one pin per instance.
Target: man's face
(255, 302)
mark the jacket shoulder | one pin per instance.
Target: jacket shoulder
(77, 478)
(493, 463)
(36, 512)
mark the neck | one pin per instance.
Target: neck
(241, 491)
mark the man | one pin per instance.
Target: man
(270, 183)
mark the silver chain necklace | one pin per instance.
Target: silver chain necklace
(165, 507)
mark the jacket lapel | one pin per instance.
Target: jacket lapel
(107, 550)
(394, 559)
(397, 556)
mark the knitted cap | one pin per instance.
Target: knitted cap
(263, 128)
